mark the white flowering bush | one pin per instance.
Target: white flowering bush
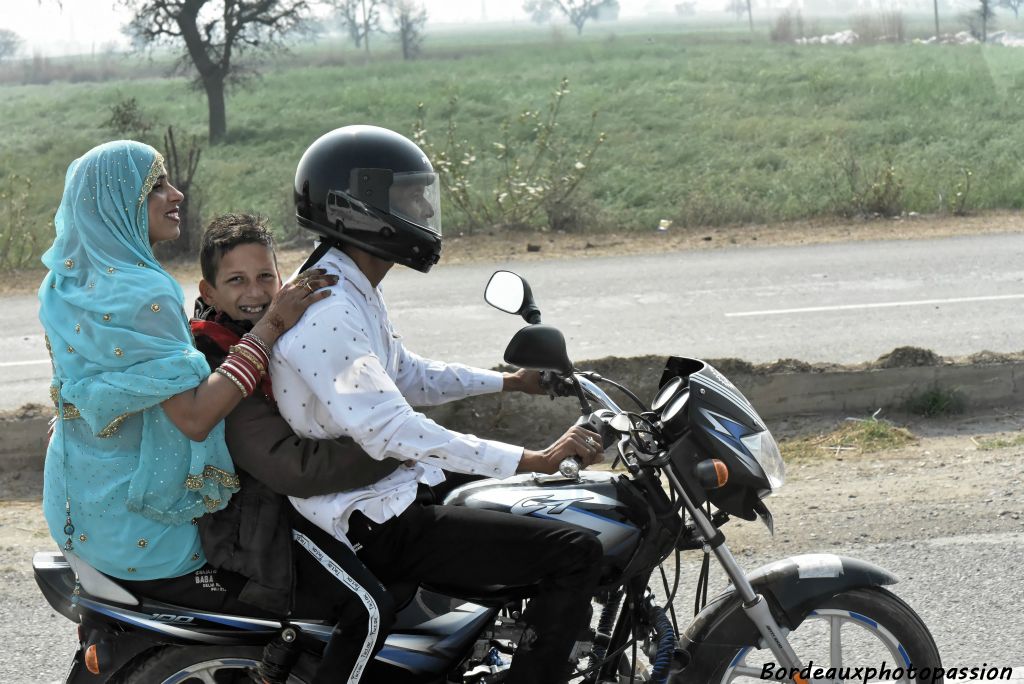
(528, 178)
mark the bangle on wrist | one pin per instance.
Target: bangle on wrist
(264, 347)
(252, 355)
(220, 370)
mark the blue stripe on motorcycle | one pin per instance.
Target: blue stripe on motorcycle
(542, 514)
(739, 656)
(863, 618)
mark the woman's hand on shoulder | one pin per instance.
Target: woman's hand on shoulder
(292, 300)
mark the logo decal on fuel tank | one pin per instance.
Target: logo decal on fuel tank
(532, 504)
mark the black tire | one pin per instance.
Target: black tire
(877, 605)
(226, 664)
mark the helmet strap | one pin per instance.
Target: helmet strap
(325, 246)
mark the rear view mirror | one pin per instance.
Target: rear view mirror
(509, 292)
(505, 292)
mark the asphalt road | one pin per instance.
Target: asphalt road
(843, 303)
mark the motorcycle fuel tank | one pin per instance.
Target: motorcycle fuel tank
(593, 502)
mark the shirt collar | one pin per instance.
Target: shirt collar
(350, 272)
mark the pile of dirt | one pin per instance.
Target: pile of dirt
(908, 357)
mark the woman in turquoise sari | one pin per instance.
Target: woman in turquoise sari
(138, 452)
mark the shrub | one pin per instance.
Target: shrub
(875, 193)
(539, 169)
(18, 244)
(936, 401)
(788, 27)
(127, 119)
(882, 27)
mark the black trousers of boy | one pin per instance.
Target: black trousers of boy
(464, 547)
(331, 584)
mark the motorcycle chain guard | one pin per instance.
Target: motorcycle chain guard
(793, 587)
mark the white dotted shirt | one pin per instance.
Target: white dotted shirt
(342, 370)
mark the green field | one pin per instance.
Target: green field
(703, 127)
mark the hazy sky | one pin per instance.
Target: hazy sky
(86, 25)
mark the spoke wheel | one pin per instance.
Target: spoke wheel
(205, 665)
(864, 628)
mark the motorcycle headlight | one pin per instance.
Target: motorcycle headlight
(765, 451)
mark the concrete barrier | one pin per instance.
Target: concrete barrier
(775, 391)
(778, 391)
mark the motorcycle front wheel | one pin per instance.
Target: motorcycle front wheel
(867, 628)
(204, 665)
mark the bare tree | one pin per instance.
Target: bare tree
(576, 11)
(181, 165)
(410, 17)
(986, 14)
(10, 43)
(361, 18)
(213, 33)
(739, 8)
(1014, 5)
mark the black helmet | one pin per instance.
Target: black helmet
(372, 188)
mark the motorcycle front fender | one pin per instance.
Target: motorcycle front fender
(793, 587)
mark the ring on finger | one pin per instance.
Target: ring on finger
(591, 441)
(308, 287)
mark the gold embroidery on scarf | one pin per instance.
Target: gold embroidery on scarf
(211, 504)
(70, 410)
(155, 171)
(221, 477)
(114, 425)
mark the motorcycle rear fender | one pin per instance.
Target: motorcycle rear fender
(793, 587)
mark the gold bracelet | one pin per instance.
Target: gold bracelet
(249, 356)
(267, 349)
(238, 383)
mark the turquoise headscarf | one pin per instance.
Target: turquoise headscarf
(121, 345)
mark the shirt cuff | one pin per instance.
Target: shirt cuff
(505, 458)
(485, 382)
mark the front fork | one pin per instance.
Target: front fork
(754, 604)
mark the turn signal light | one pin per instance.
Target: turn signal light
(712, 473)
(92, 661)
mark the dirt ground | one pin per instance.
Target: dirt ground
(497, 246)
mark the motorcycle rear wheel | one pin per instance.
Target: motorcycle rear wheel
(205, 665)
(859, 628)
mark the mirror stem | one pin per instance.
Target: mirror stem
(585, 408)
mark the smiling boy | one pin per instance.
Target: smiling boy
(253, 535)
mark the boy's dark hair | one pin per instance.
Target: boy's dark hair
(228, 231)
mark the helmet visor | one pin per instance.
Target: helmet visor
(416, 197)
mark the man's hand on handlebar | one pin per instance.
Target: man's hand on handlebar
(525, 381)
(578, 441)
(537, 382)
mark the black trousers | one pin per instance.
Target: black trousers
(331, 584)
(471, 548)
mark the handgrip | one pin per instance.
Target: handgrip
(570, 467)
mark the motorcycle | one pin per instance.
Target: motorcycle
(697, 456)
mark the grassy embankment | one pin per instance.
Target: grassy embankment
(702, 128)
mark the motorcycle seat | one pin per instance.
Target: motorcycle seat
(98, 585)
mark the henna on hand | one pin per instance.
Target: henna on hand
(275, 322)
